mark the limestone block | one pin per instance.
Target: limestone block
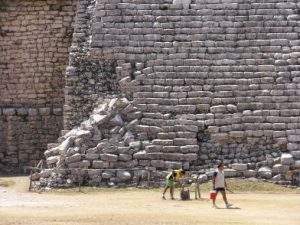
(132, 124)
(189, 148)
(158, 163)
(230, 173)
(136, 145)
(218, 109)
(92, 156)
(80, 165)
(239, 166)
(286, 159)
(265, 172)
(98, 119)
(297, 164)
(140, 155)
(9, 112)
(63, 147)
(280, 168)
(292, 146)
(123, 150)
(277, 177)
(51, 152)
(84, 134)
(52, 159)
(173, 165)
(220, 137)
(32, 112)
(231, 108)
(86, 125)
(22, 111)
(162, 142)
(46, 173)
(44, 111)
(295, 154)
(109, 157)
(154, 148)
(171, 149)
(190, 156)
(173, 156)
(294, 138)
(123, 175)
(185, 141)
(99, 164)
(125, 157)
(74, 158)
(237, 134)
(154, 155)
(250, 173)
(117, 120)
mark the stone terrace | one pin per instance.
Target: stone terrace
(214, 80)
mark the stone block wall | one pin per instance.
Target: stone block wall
(219, 79)
(35, 37)
(24, 134)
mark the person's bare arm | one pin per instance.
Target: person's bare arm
(214, 182)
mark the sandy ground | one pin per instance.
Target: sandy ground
(136, 207)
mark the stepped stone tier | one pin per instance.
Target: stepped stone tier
(206, 80)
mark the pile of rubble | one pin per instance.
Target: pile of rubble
(101, 148)
(106, 150)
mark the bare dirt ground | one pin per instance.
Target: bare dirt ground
(136, 207)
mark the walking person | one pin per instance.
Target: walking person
(173, 176)
(219, 185)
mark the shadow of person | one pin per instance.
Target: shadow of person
(229, 208)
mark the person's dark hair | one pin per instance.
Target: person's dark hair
(220, 164)
(182, 171)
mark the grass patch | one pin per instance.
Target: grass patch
(234, 184)
(245, 185)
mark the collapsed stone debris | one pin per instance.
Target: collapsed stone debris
(106, 150)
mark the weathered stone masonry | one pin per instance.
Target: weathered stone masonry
(209, 81)
(204, 81)
(35, 37)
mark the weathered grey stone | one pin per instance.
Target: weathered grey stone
(158, 163)
(250, 173)
(173, 165)
(74, 158)
(123, 175)
(286, 159)
(9, 112)
(63, 147)
(294, 138)
(117, 120)
(265, 172)
(125, 157)
(278, 168)
(46, 173)
(92, 156)
(80, 165)
(99, 164)
(230, 173)
(52, 159)
(239, 166)
(292, 146)
(109, 157)
(295, 154)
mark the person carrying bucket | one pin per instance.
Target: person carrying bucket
(219, 185)
(173, 176)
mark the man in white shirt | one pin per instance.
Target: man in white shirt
(219, 184)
